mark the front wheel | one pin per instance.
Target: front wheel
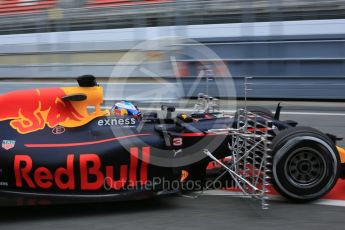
(305, 164)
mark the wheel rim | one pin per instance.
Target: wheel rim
(305, 167)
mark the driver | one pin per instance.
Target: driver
(126, 108)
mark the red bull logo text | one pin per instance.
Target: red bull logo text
(93, 175)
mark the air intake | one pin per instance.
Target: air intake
(87, 81)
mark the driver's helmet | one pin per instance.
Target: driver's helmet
(126, 108)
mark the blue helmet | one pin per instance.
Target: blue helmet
(126, 108)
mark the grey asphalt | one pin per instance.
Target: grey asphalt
(327, 124)
(205, 212)
(328, 117)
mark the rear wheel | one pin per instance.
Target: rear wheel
(305, 164)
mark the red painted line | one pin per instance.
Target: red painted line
(259, 129)
(197, 134)
(338, 192)
(83, 143)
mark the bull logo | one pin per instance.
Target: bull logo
(33, 110)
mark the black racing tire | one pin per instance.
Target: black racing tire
(261, 111)
(305, 164)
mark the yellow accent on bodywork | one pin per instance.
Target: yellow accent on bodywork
(94, 98)
(184, 175)
(341, 154)
(184, 116)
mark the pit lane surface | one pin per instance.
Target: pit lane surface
(205, 212)
(324, 116)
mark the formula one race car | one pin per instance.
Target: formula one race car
(59, 145)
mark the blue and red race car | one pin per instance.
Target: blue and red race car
(54, 148)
